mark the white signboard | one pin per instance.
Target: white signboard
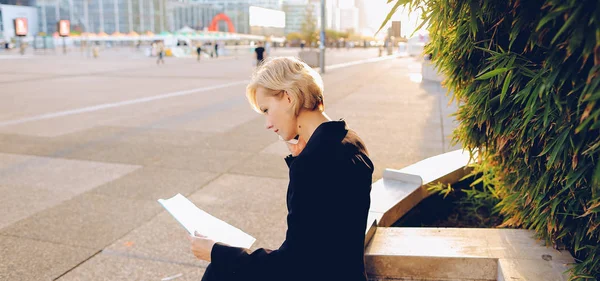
(266, 17)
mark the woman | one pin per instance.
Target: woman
(328, 193)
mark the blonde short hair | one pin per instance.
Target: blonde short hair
(288, 74)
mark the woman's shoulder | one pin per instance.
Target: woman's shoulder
(350, 150)
(357, 154)
(353, 142)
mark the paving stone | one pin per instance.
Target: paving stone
(31, 184)
(262, 199)
(264, 165)
(113, 268)
(122, 153)
(71, 177)
(179, 144)
(90, 221)
(277, 148)
(28, 259)
(264, 217)
(12, 77)
(138, 136)
(160, 238)
(19, 202)
(198, 159)
(151, 183)
(249, 137)
(232, 115)
(30, 145)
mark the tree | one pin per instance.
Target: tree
(293, 36)
(332, 34)
(309, 26)
(526, 77)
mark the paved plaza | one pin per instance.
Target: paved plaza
(88, 145)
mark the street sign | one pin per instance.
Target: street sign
(64, 28)
(20, 26)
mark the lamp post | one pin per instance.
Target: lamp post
(322, 41)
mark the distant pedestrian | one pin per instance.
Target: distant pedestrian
(199, 51)
(161, 54)
(236, 49)
(96, 51)
(22, 47)
(302, 44)
(216, 49)
(260, 54)
(267, 46)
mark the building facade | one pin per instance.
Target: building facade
(30, 3)
(239, 11)
(363, 19)
(123, 16)
(348, 19)
(296, 13)
(139, 16)
(269, 4)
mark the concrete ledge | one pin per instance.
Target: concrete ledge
(400, 190)
(430, 73)
(310, 57)
(448, 254)
(462, 254)
(431, 268)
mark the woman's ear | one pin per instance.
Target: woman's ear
(288, 97)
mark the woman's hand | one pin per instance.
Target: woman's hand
(295, 149)
(201, 246)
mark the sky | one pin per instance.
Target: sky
(377, 10)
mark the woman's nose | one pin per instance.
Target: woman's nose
(268, 125)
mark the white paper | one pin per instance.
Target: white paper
(194, 219)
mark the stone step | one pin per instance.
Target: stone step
(463, 254)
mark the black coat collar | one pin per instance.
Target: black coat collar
(327, 134)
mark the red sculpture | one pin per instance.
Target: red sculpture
(221, 17)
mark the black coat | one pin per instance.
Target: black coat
(328, 201)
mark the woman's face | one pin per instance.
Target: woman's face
(278, 111)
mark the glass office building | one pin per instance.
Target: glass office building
(108, 16)
(18, 2)
(141, 16)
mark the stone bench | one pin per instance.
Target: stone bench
(447, 253)
(400, 190)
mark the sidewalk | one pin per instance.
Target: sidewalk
(117, 231)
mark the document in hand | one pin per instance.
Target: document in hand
(194, 219)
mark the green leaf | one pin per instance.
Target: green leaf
(586, 121)
(473, 19)
(492, 73)
(505, 86)
(558, 147)
(392, 12)
(570, 21)
(423, 22)
(547, 18)
(574, 176)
